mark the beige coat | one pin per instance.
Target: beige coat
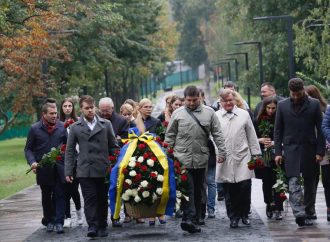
(189, 140)
(241, 141)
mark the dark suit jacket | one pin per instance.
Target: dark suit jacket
(151, 124)
(38, 143)
(120, 125)
(94, 148)
(301, 136)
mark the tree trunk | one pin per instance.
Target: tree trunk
(8, 121)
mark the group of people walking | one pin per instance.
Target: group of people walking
(214, 143)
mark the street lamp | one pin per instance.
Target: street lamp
(258, 43)
(246, 57)
(236, 65)
(292, 72)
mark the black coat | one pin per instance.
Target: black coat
(301, 136)
(151, 124)
(120, 125)
(38, 143)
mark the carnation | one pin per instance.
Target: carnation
(133, 173)
(160, 178)
(131, 164)
(145, 194)
(140, 159)
(137, 199)
(125, 197)
(159, 191)
(128, 181)
(134, 192)
(133, 158)
(129, 192)
(144, 183)
(150, 162)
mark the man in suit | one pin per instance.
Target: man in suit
(298, 136)
(119, 124)
(96, 141)
(45, 134)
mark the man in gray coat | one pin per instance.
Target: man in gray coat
(96, 141)
(299, 137)
(189, 140)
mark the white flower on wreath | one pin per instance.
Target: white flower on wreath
(159, 191)
(134, 192)
(154, 197)
(144, 183)
(140, 159)
(178, 194)
(133, 158)
(131, 164)
(150, 162)
(145, 194)
(128, 181)
(132, 173)
(137, 199)
(160, 178)
(125, 197)
(129, 192)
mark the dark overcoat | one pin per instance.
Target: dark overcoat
(94, 148)
(298, 136)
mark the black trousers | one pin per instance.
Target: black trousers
(270, 196)
(326, 183)
(238, 198)
(95, 194)
(310, 189)
(71, 191)
(192, 208)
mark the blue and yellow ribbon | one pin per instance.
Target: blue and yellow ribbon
(117, 176)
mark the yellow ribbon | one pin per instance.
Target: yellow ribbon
(154, 147)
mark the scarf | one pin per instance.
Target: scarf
(50, 127)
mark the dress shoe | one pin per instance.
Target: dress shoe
(190, 227)
(234, 223)
(269, 211)
(102, 232)
(116, 224)
(278, 215)
(302, 221)
(328, 216)
(200, 221)
(246, 221)
(311, 216)
(220, 196)
(59, 228)
(50, 227)
(92, 232)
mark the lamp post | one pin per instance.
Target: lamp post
(258, 43)
(236, 65)
(246, 58)
(289, 20)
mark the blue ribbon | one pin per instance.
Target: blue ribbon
(172, 184)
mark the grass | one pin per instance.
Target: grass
(12, 167)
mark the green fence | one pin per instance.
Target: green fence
(19, 129)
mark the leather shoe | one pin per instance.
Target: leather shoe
(246, 221)
(200, 221)
(311, 216)
(302, 221)
(116, 224)
(220, 196)
(92, 232)
(234, 223)
(190, 227)
(269, 211)
(102, 232)
(50, 227)
(59, 228)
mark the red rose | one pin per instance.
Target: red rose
(58, 158)
(145, 156)
(144, 168)
(112, 158)
(165, 145)
(63, 148)
(141, 146)
(117, 151)
(251, 166)
(158, 139)
(137, 177)
(165, 123)
(170, 150)
(141, 190)
(259, 163)
(154, 158)
(125, 171)
(150, 154)
(126, 185)
(184, 177)
(177, 170)
(282, 196)
(137, 164)
(177, 164)
(153, 175)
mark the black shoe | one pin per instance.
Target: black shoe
(234, 223)
(269, 211)
(302, 221)
(102, 232)
(220, 196)
(59, 228)
(190, 227)
(178, 214)
(116, 224)
(50, 227)
(328, 216)
(92, 232)
(200, 221)
(246, 221)
(311, 216)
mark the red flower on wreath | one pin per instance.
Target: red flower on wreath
(170, 150)
(112, 158)
(117, 151)
(137, 177)
(144, 168)
(142, 146)
(154, 158)
(165, 145)
(153, 175)
(184, 177)
(125, 170)
(145, 156)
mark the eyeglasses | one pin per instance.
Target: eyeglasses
(227, 101)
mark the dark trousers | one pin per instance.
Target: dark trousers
(270, 196)
(192, 208)
(71, 191)
(239, 198)
(53, 203)
(310, 189)
(326, 183)
(95, 194)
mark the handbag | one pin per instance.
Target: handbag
(209, 141)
